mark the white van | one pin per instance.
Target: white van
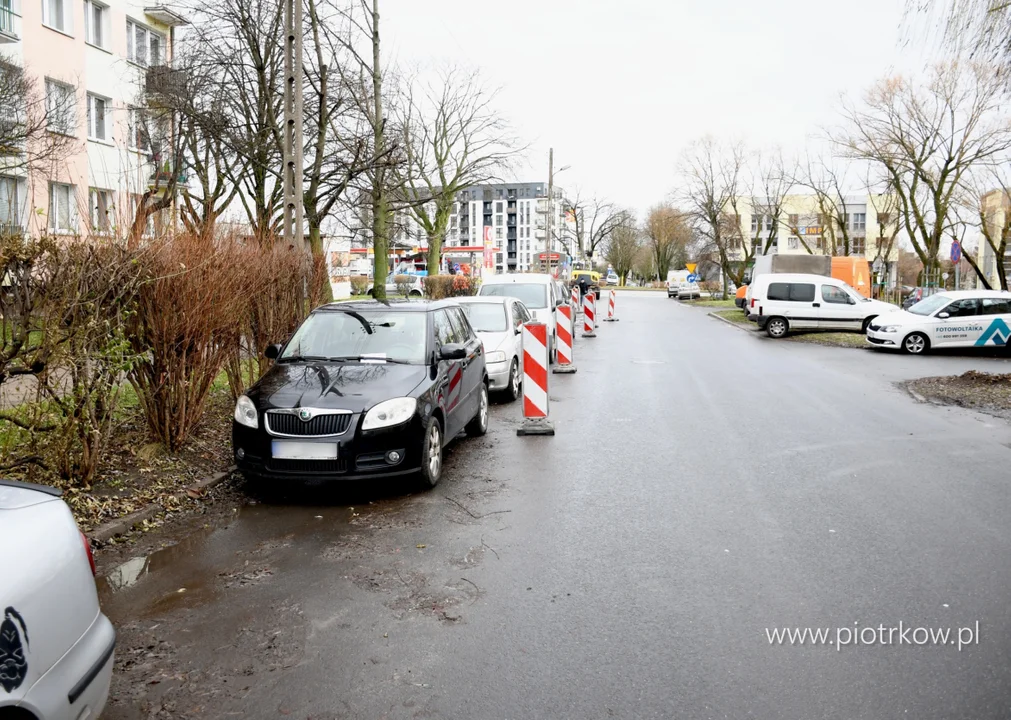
(538, 291)
(783, 302)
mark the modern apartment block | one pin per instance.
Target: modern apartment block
(90, 60)
(807, 225)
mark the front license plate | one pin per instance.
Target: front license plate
(288, 450)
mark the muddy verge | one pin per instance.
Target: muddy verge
(985, 392)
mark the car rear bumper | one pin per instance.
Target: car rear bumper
(361, 455)
(78, 685)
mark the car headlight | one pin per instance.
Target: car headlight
(495, 356)
(889, 328)
(390, 412)
(245, 412)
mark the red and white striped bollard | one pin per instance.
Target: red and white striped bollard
(589, 315)
(610, 308)
(575, 300)
(535, 381)
(563, 334)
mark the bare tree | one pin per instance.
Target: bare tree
(985, 207)
(978, 28)
(624, 246)
(453, 138)
(713, 179)
(669, 235)
(826, 180)
(924, 138)
(770, 185)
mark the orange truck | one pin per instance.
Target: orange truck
(854, 271)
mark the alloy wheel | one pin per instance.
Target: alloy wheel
(434, 450)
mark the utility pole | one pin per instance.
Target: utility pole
(551, 203)
(293, 165)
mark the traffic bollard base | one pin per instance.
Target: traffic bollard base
(536, 427)
(564, 369)
(610, 319)
(589, 334)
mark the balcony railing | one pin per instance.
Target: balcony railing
(10, 23)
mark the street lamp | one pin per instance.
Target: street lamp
(551, 202)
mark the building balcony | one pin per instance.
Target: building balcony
(10, 24)
(164, 81)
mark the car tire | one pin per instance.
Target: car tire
(431, 453)
(478, 425)
(415, 293)
(866, 324)
(514, 389)
(915, 344)
(777, 327)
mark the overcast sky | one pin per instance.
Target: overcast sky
(620, 87)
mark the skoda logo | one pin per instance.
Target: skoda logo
(305, 414)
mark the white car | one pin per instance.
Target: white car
(688, 291)
(784, 302)
(56, 646)
(415, 288)
(498, 322)
(537, 291)
(962, 318)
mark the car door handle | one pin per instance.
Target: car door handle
(815, 304)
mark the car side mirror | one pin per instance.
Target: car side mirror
(452, 351)
(518, 329)
(943, 315)
(272, 351)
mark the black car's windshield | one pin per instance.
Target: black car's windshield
(361, 336)
(533, 295)
(930, 305)
(486, 317)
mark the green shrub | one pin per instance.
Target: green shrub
(359, 284)
(438, 287)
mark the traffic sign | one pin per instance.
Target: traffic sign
(956, 251)
(691, 267)
(693, 278)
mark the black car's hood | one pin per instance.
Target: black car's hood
(349, 386)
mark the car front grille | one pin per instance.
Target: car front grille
(335, 467)
(320, 425)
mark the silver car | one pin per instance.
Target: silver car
(56, 646)
(498, 321)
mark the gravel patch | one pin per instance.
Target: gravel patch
(986, 392)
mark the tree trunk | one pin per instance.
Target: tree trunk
(434, 254)
(316, 246)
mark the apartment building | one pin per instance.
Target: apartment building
(90, 60)
(858, 225)
(997, 210)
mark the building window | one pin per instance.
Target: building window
(859, 221)
(146, 133)
(100, 210)
(60, 100)
(143, 46)
(793, 243)
(61, 209)
(794, 220)
(858, 246)
(57, 15)
(755, 221)
(10, 204)
(498, 232)
(94, 23)
(768, 223)
(98, 113)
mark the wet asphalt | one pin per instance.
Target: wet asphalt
(704, 484)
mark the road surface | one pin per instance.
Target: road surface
(705, 486)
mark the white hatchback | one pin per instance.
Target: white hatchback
(498, 322)
(56, 646)
(963, 318)
(537, 291)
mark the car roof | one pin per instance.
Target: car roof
(486, 299)
(797, 277)
(518, 278)
(961, 294)
(398, 304)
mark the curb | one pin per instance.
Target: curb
(915, 395)
(113, 528)
(745, 328)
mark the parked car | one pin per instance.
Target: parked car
(56, 646)
(672, 288)
(783, 302)
(364, 391)
(963, 318)
(688, 291)
(415, 288)
(612, 278)
(498, 322)
(537, 291)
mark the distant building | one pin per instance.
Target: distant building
(997, 210)
(805, 225)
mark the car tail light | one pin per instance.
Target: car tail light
(752, 302)
(87, 549)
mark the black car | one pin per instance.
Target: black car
(364, 390)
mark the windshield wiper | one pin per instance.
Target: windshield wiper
(360, 318)
(304, 358)
(368, 358)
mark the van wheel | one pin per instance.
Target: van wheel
(777, 327)
(916, 343)
(866, 324)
